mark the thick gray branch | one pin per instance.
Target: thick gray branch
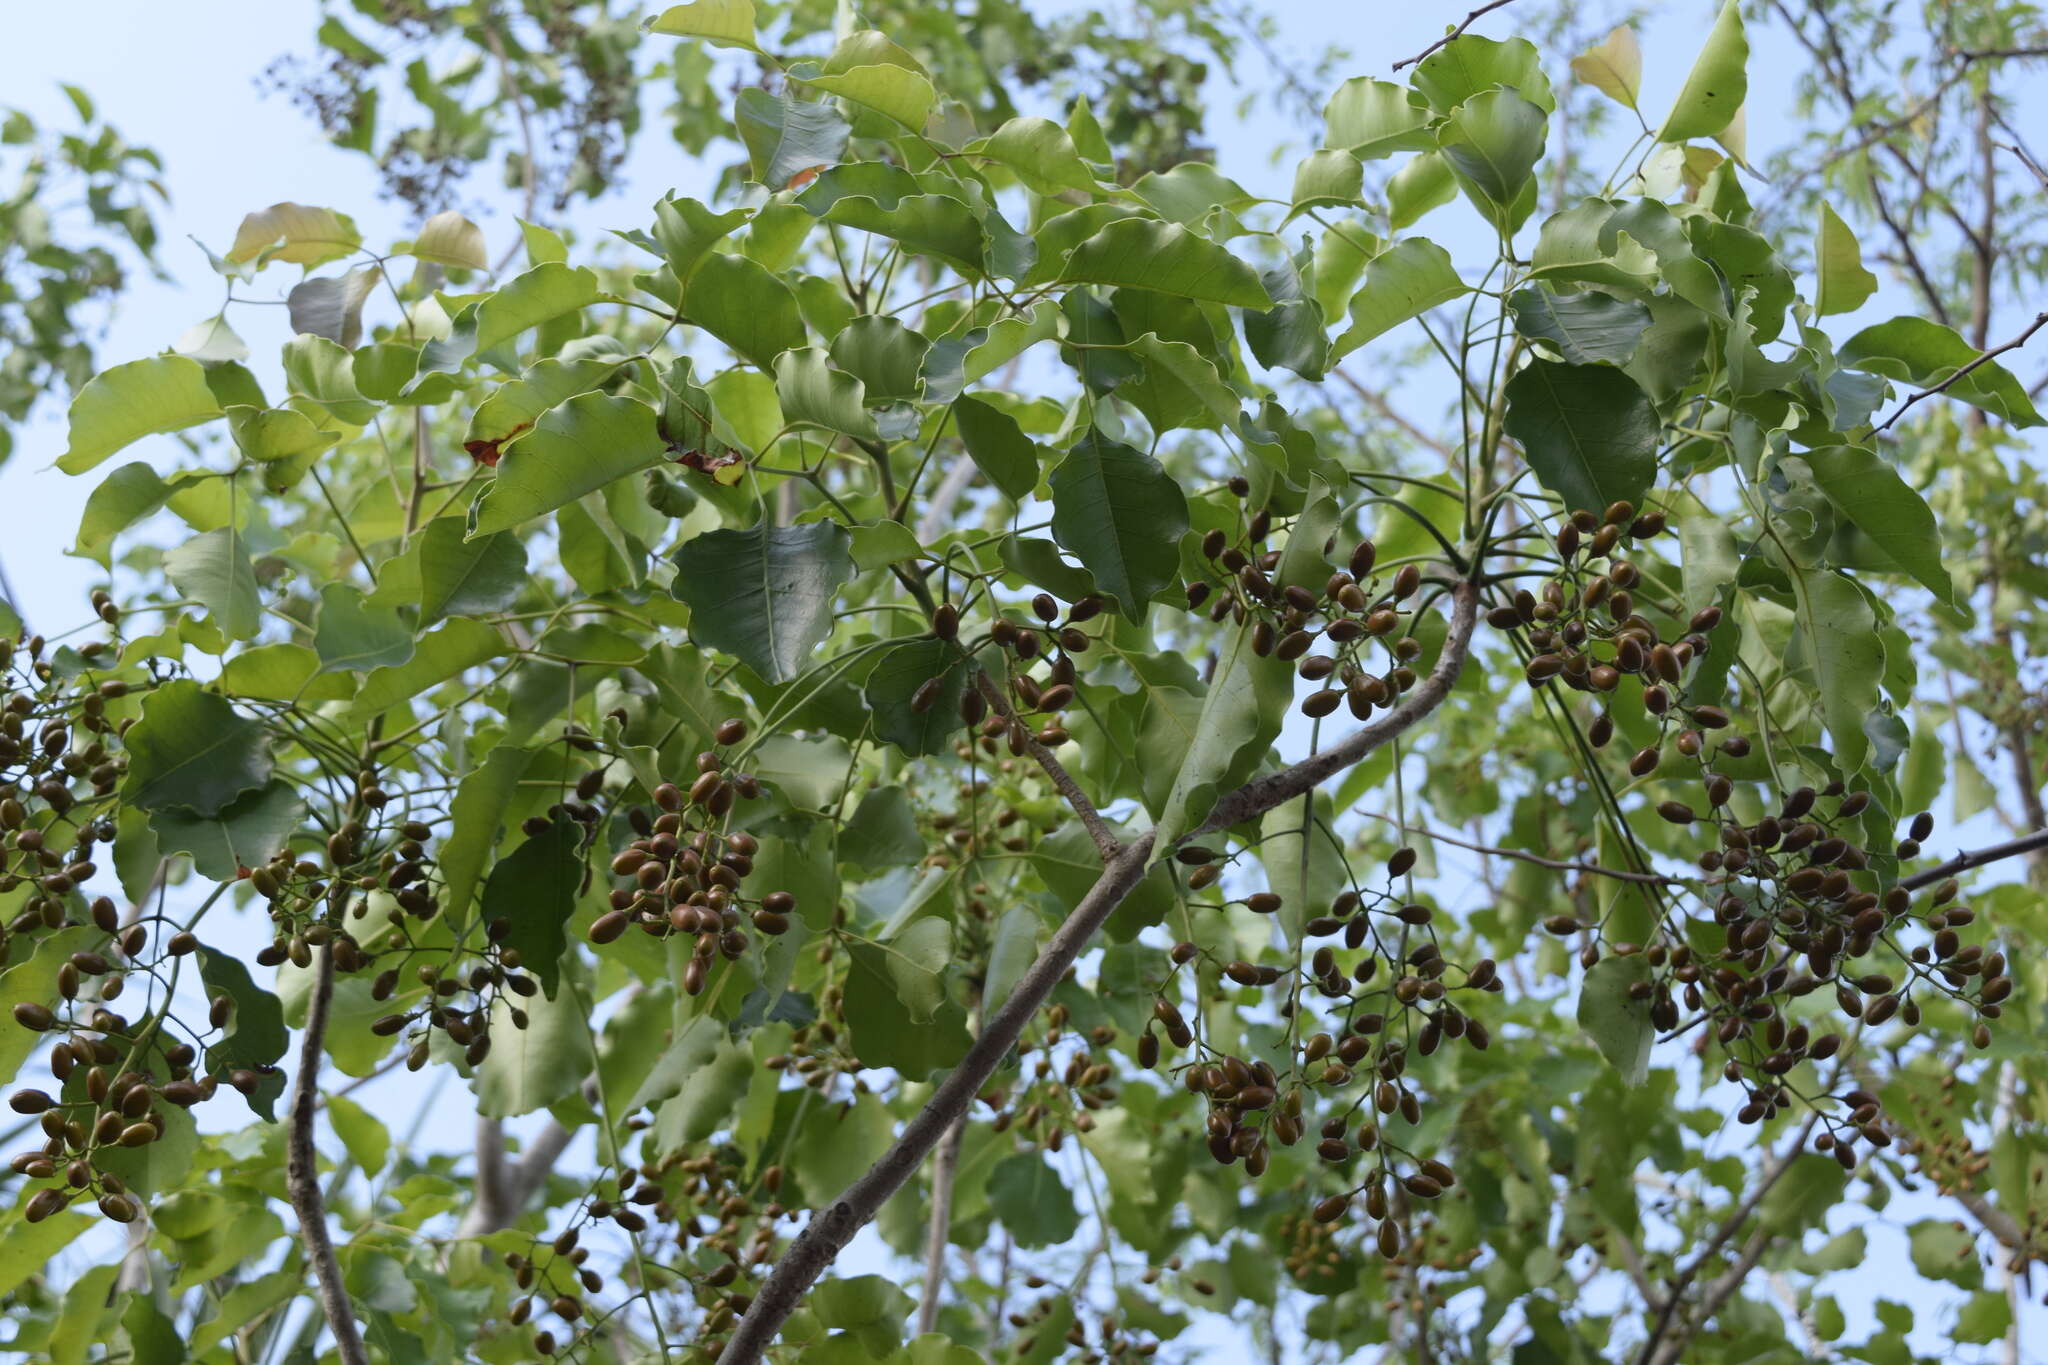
(832, 1226)
(302, 1170)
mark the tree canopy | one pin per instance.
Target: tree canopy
(970, 742)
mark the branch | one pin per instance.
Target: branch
(1654, 1351)
(1377, 401)
(1261, 794)
(302, 1171)
(2040, 321)
(833, 1226)
(1106, 842)
(1454, 34)
(1591, 869)
(944, 1167)
(1963, 862)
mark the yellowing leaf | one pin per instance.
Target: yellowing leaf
(295, 233)
(1614, 67)
(723, 23)
(1844, 283)
(451, 239)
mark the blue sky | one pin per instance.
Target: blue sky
(181, 77)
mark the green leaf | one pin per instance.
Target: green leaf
(123, 404)
(895, 683)
(362, 1134)
(282, 672)
(868, 1307)
(268, 434)
(896, 1005)
(745, 306)
(1926, 353)
(477, 817)
(1404, 281)
(1326, 179)
(890, 202)
(513, 408)
(1032, 1202)
(1717, 85)
(192, 750)
(576, 447)
(455, 648)
(450, 239)
(814, 394)
(883, 831)
(1844, 283)
(1012, 950)
(1294, 333)
(1583, 328)
(245, 834)
(887, 357)
(1190, 194)
(722, 23)
(31, 979)
(764, 594)
(540, 295)
(1121, 514)
(1457, 71)
(460, 576)
(785, 137)
(1619, 1027)
(1943, 1250)
(1241, 715)
(1425, 183)
(1493, 142)
(1838, 641)
(123, 498)
(1166, 257)
(1869, 492)
(1985, 1317)
(895, 91)
(532, 1067)
(998, 446)
(1040, 152)
(214, 570)
(256, 1036)
(1613, 66)
(1588, 431)
(686, 232)
(354, 637)
(27, 1248)
(1370, 119)
(533, 888)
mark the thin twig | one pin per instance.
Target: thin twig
(1454, 34)
(2040, 321)
(1592, 869)
(1773, 1172)
(1963, 862)
(302, 1170)
(1106, 842)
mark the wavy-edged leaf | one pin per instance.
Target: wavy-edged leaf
(213, 570)
(540, 295)
(745, 306)
(1585, 328)
(119, 406)
(1718, 84)
(192, 751)
(576, 447)
(1403, 282)
(1166, 257)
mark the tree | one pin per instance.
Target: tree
(941, 694)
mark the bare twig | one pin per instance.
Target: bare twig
(1454, 34)
(1963, 862)
(1656, 1350)
(944, 1167)
(1106, 842)
(2040, 321)
(1487, 850)
(834, 1225)
(1377, 401)
(302, 1170)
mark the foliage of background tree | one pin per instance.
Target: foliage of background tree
(945, 690)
